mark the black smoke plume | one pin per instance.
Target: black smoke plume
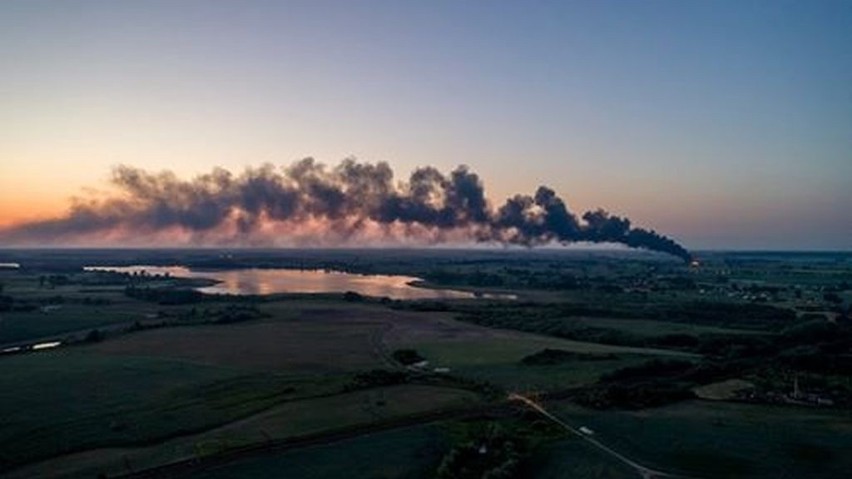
(266, 205)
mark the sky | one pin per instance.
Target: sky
(722, 124)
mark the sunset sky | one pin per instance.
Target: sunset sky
(720, 124)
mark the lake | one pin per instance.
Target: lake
(270, 281)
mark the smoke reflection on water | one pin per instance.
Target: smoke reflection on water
(270, 281)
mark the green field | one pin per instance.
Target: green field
(518, 377)
(61, 310)
(296, 418)
(308, 347)
(64, 401)
(497, 360)
(309, 385)
(571, 458)
(713, 439)
(30, 326)
(411, 454)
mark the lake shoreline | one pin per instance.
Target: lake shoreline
(268, 281)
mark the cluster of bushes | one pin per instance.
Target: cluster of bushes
(549, 356)
(94, 336)
(497, 448)
(519, 278)
(818, 359)
(650, 384)
(640, 395)
(376, 378)
(165, 296)
(744, 315)
(473, 278)
(732, 346)
(554, 320)
(491, 460)
(548, 316)
(819, 347)
(353, 297)
(139, 326)
(494, 455)
(565, 327)
(558, 320)
(654, 368)
(407, 357)
(234, 313)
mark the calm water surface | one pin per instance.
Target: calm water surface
(269, 281)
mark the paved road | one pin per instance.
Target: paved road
(644, 472)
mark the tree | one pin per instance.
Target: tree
(352, 297)
(407, 356)
(94, 336)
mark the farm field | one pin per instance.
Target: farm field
(31, 326)
(263, 345)
(410, 453)
(570, 458)
(152, 377)
(359, 410)
(712, 439)
(58, 402)
(64, 309)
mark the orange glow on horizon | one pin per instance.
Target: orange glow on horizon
(16, 211)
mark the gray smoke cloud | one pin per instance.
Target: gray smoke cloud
(345, 200)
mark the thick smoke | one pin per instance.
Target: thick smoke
(269, 205)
